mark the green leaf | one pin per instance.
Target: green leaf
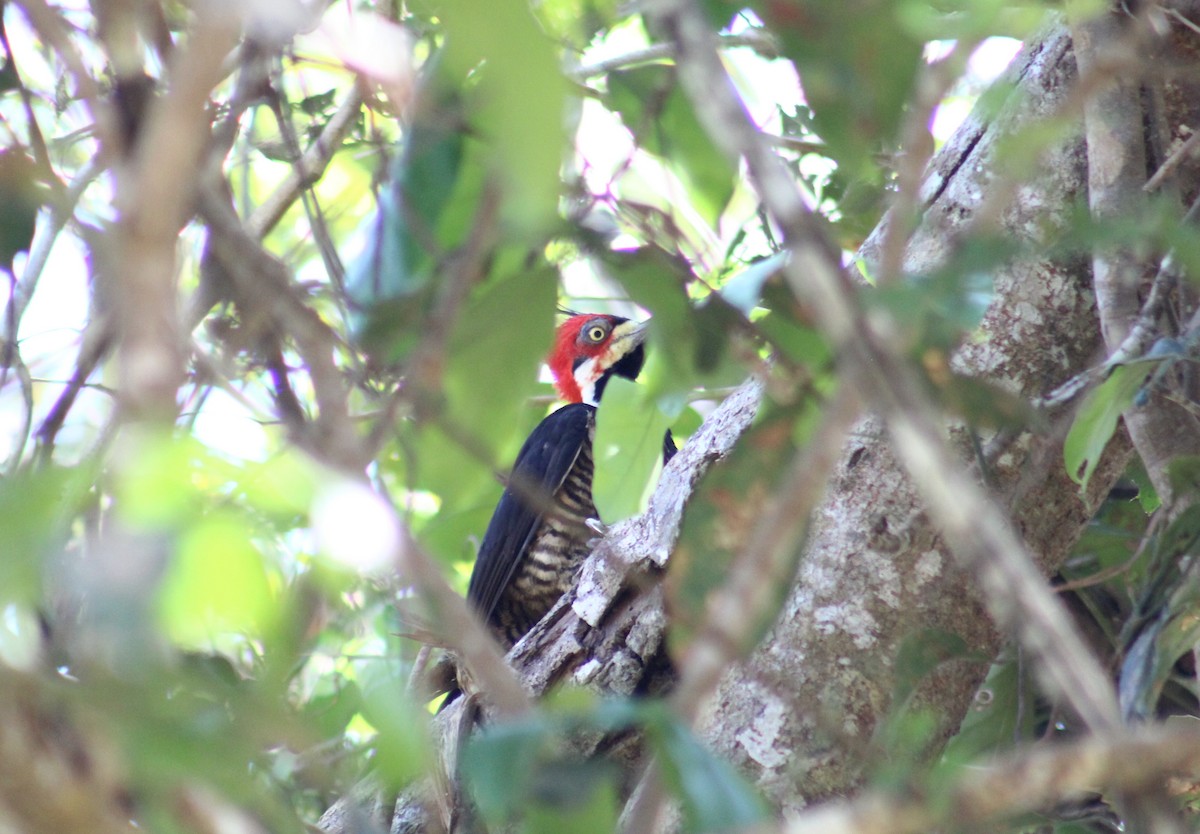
(329, 714)
(921, 653)
(388, 283)
(495, 349)
(745, 290)
(1097, 420)
(499, 763)
(936, 309)
(661, 117)
(216, 583)
(991, 723)
(518, 771)
(403, 749)
(627, 449)
(35, 508)
(518, 97)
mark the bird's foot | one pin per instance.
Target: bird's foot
(599, 528)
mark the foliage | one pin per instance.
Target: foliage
(214, 601)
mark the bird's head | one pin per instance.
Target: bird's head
(588, 349)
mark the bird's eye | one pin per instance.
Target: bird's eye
(596, 333)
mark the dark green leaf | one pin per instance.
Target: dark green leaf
(20, 201)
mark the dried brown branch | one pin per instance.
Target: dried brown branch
(308, 168)
(153, 209)
(263, 286)
(50, 776)
(1028, 781)
(932, 85)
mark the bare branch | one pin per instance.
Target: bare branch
(1028, 781)
(153, 209)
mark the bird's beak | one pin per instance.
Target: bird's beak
(626, 336)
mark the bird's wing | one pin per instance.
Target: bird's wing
(540, 469)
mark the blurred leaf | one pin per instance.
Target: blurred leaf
(215, 583)
(921, 653)
(714, 796)
(627, 449)
(161, 476)
(931, 21)
(516, 771)
(659, 115)
(656, 281)
(518, 98)
(980, 401)
(802, 344)
(329, 714)
(35, 512)
(745, 290)
(936, 310)
(285, 484)
(495, 349)
(20, 200)
(1096, 421)
(387, 284)
(498, 766)
(576, 21)
(403, 749)
(1183, 472)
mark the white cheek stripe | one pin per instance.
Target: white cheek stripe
(585, 377)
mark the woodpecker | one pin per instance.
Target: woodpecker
(538, 535)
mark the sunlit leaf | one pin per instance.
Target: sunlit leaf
(215, 583)
(628, 449)
(35, 510)
(518, 99)
(1097, 420)
(658, 113)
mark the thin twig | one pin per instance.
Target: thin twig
(1172, 162)
(758, 39)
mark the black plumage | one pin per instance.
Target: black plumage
(537, 536)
